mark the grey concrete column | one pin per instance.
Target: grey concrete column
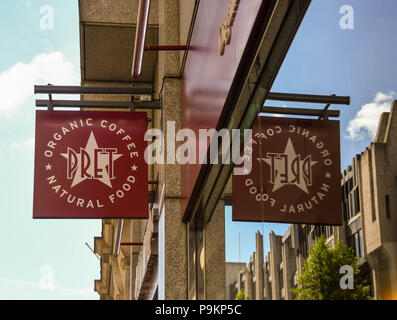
(240, 283)
(267, 287)
(173, 231)
(169, 61)
(275, 259)
(127, 278)
(259, 284)
(248, 285)
(289, 263)
(175, 259)
(215, 267)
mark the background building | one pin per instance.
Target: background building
(233, 279)
(369, 225)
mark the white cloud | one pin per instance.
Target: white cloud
(280, 115)
(365, 123)
(16, 82)
(27, 144)
(15, 145)
(276, 115)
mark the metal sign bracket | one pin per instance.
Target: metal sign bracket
(82, 90)
(322, 114)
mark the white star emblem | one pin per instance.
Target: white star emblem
(328, 175)
(48, 167)
(279, 167)
(103, 163)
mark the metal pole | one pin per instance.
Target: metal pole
(48, 89)
(309, 98)
(131, 244)
(301, 111)
(140, 36)
(239, 256)
(96, 255)
(152, 105)
(166, 48)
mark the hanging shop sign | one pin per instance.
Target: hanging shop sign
(295, 176)
(90, 164)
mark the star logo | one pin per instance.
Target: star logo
(91, 162)
(288, 168)
(328, 175)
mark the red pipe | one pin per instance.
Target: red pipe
(166, 48)
(140, 36)
(131, 244)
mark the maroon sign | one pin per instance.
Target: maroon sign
(221, 35)
(295, 176)
(90, 164)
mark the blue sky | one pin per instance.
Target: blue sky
(323, 59)
(32, 250)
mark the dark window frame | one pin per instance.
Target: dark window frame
(387, 205)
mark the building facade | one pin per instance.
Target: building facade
(369, 225)
(146, 259)
(179, 251)
(233, 279)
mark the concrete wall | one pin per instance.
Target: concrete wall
(169, 24)
(232, 274)
(275, 260)
(379, 172)
(259, 279)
